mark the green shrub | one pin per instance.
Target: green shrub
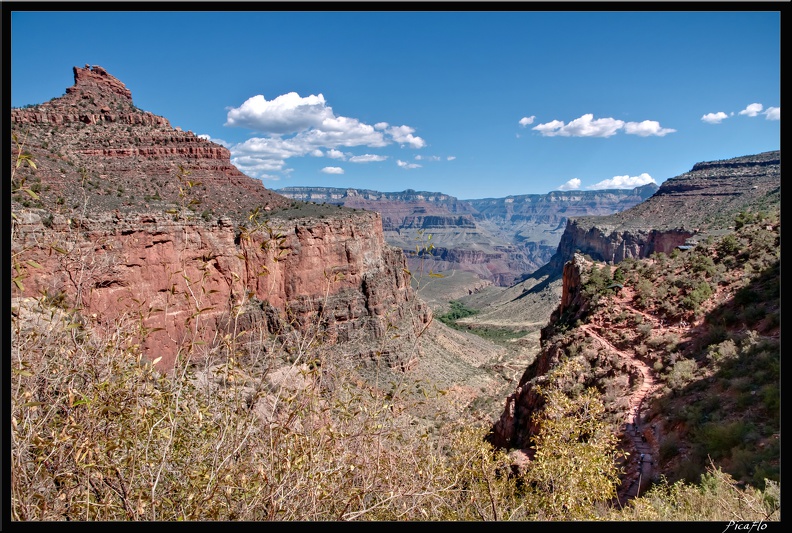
(682, 373)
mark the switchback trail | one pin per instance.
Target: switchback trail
(639, 466)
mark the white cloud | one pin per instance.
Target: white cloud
(333, 170)
(752, 110)
(527, 120)
(367, 158)
(427, 158)
(404, 135)
(298, 127)
(624, 182)
(336, 154)
(584, 126)
(549, 129)
(773, 113)
(405, 164)
(572, 184)
(587, 126)
(451, 157)
(258, 166)
(288, 113)
(714, 118)
(646, 128)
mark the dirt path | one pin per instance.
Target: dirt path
(639, 465)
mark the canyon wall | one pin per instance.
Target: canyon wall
(688, 207)
(131, 219)
(498, 239)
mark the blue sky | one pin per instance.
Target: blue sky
(474, 104)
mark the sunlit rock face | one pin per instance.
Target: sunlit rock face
(498, 239)
(135, 219)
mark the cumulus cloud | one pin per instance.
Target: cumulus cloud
(588, 126)
(585, 126)
(752, 110)
(405, 164)
(527, 120)
(714, 118)
(646, 128)
(404, 135)
(572, 184)
(773, 113)
(624, 182)
(333, 170)
(288, 113)
(335, 154)
(427, 158)
(367, 158)
(298, 126)
(451, 157)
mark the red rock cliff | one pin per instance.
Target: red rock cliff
(114, 225)
(191, 278)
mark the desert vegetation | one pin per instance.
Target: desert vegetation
(283, 425)
(706, 321)
(272, 427)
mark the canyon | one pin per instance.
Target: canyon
(498, 239)
(122, 218)
(128, 216)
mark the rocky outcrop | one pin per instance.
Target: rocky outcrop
(94, 148)
(615, 246)
(692, 205)
(516, 427)
(498, 239)
(98, 78)
(135, 220)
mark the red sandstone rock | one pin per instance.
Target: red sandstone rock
(186, 277)
(97, 77)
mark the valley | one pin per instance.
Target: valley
(189, 343)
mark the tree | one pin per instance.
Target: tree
(574, 465)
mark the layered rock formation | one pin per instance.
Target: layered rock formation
(95, 138)
(516, 427)
(702, 201)
(696, 204)
(186, 276)
(498, 239)
(196, 281)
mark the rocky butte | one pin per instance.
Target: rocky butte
(136, 220)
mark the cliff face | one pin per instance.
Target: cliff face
(186, 276)
(189, 280)
(498, 239)
(515, 427)
(616, 245)
(692, 205)
(94, 139)
(556, 207)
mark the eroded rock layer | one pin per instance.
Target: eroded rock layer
(131, 219)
